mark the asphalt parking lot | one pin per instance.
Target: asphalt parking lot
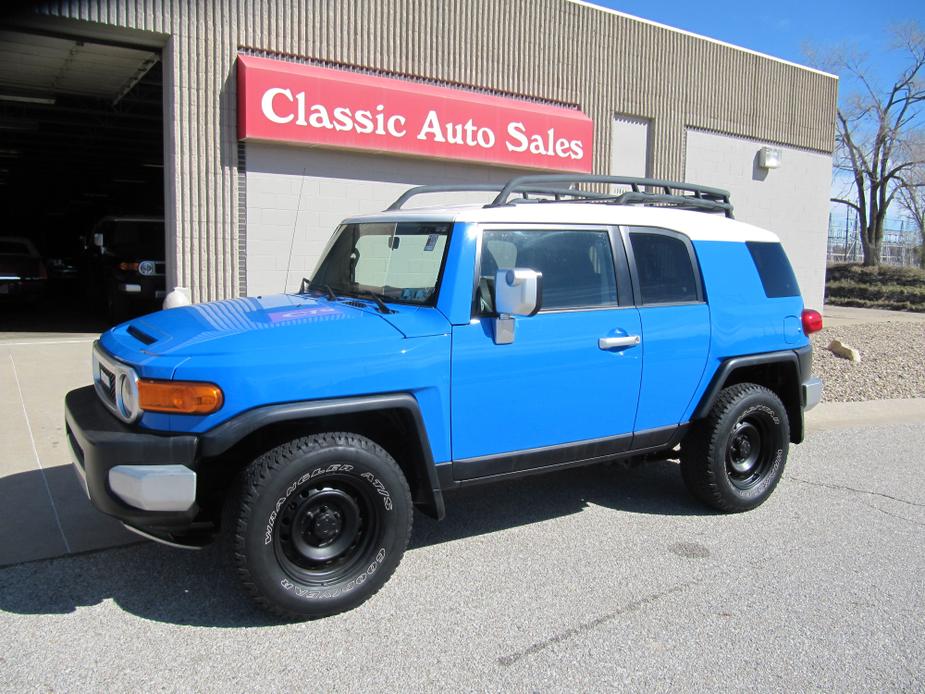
(606, 577)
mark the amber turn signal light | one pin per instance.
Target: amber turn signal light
(179, 397)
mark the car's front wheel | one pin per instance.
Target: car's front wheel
(319, 524)
(733, 459)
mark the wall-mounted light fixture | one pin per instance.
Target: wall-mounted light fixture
(769, 157)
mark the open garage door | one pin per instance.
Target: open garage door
(81, 182)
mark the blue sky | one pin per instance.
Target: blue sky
(781, 27)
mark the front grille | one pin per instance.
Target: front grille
(108, 377)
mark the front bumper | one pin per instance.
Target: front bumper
(148, 481)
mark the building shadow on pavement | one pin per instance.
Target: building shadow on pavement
(196, 588)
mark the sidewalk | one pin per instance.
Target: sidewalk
(837, 316)
(43, 510)
(827, 416)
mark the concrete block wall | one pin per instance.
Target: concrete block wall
(296, 197)
(791, 201)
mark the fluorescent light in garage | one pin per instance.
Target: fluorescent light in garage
(18, 98)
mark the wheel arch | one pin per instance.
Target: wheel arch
(391, 420)
(777, 371)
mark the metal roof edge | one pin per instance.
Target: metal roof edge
(609, 10)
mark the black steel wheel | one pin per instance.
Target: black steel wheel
(319, 524)
(734, 458)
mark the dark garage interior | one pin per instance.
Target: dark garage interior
(81, 182)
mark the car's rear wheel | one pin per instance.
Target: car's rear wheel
(733, 459)
(319, 524)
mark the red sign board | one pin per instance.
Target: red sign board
(280, 101)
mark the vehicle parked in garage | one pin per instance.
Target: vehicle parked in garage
(23, 275)
(437, 348)
(127, 264)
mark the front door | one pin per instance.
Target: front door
(567, 387)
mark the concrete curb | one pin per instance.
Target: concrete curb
(856, 415)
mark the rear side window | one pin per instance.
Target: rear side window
(774, 269)
(577, 266)
(663, 265)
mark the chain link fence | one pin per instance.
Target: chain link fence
(901, 241)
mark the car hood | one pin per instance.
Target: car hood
(248, 325)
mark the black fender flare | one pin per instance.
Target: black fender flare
(221, 438)
(796, 358)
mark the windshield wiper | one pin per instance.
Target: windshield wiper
(376, 298)
(308, 285)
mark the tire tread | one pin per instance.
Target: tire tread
(247, 492)
(699, 445)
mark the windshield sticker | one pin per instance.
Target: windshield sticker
(431, 242)
(300, 313)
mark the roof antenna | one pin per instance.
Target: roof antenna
(295, 225)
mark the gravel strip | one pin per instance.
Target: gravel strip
(892, 362)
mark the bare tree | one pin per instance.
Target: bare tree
(874, 127)
(910, 194)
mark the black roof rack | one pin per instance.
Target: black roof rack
(688, 196)
(524, 191)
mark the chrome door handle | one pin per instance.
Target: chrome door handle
(623, 341)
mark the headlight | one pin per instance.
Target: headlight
(146, 267)
(128, 396)
(179, 397)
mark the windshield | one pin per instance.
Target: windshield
(399, 261)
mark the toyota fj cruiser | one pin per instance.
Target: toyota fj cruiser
(436, 348)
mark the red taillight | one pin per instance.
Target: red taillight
(125, 267)
(812, 321)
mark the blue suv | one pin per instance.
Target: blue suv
(440, 347)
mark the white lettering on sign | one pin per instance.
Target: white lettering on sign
(266, 104)
(283, 101)
(280, 106)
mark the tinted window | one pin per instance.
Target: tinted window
(663, 265)
(577, 266)
(774, 269)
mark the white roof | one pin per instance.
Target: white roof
(698, 226)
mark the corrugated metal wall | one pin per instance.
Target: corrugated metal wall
(553, 49)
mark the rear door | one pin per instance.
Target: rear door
(675, 328)
(561, 391)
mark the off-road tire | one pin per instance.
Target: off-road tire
(327, 488)
(716, 456)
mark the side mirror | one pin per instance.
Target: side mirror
(518, 292)
(98, 240)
